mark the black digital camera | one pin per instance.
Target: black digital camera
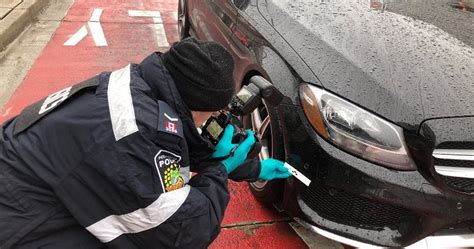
(243, 103)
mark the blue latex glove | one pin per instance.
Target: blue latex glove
(225, 146)
(273, 169)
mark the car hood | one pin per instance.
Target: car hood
(405, 61)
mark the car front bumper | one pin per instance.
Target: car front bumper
(440, 241)
(362, 201)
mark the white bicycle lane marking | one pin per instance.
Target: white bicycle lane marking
(98, 35)
(95, 28)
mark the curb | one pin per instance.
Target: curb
(19, 19)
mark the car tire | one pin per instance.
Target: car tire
(183, 23)
(264, 122)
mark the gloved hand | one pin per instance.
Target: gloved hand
(273, 169)
(225, 147)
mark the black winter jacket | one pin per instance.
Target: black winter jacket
(106, 164)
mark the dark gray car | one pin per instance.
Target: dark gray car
(378, 111)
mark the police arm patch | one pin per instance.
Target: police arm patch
(168, 169)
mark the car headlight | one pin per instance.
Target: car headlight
(354, 129)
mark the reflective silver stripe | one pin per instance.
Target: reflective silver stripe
(466, 155)
(142, 219)
(455, 171)
(120, 101)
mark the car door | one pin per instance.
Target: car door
(216, 20)
(212, 20)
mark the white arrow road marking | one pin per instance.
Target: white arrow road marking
(158, 26)
(7, 111)
(174, 14)
(95, 17)
(144, 13)
(95, 28)
(77, 37)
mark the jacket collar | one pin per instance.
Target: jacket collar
(163, 88)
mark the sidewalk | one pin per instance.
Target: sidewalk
(28, 39)
(15, 16)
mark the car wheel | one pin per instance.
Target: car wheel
(183, 23)
(263, 121)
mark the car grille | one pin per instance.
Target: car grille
(460, 184)
(456, 145)
(349, 209)
(454, 161)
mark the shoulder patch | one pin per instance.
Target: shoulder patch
(168, 169)
(168, 120)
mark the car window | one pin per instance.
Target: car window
(241, 4)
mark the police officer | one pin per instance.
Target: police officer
(106, 162)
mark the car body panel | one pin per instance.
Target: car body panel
(215, 21)
(401, 68)
(405, 206)
(256, 39)
(429, 206)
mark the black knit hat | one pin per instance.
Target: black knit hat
(202, 72)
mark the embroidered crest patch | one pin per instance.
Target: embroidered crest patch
(173, 179)
(168, 168)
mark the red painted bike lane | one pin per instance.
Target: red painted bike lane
(98, 36)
